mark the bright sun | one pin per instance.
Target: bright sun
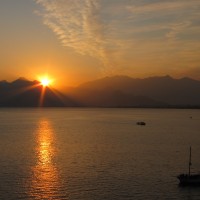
(45, 81)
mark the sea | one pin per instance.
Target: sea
(97, 153)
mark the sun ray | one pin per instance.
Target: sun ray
(42, 96)
(45, 82)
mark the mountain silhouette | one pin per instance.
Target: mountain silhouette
(116, 91)
(24, 93)
(125, 91)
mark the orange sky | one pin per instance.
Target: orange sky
(81, 40)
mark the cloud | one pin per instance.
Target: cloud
(163, 6)
(121, 32)
(173, 16)
(77, 24)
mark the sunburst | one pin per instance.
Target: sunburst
(45, 81)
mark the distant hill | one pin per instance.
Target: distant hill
(116, 91)
(24, 93)
(124, 91)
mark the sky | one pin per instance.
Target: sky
(73, 41)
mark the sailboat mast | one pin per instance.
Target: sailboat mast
(190, 163)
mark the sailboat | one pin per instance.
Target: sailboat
(189, 179)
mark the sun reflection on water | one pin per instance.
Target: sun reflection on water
(45, 149)
(45, 181)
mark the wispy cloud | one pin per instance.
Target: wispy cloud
(163, 6)
(123, 32)
(173, 16)
(77, 24)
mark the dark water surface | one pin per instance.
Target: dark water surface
(96, 154)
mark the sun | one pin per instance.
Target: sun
(45, 81)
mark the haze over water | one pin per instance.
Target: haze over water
(95, 154)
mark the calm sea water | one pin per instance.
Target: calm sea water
(96, 154)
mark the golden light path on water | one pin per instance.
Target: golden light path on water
(45, 181)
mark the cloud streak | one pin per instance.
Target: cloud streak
(164, 6)
(173, 16)
(77, 24)
(122, 32)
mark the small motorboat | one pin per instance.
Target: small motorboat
(141, 123)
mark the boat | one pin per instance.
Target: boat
(189, 179)
(141, 123)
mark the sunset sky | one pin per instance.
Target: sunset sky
(79, 40)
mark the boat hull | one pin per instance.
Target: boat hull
(186, 180)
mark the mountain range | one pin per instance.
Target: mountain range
(116, 91)
(25, 93)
